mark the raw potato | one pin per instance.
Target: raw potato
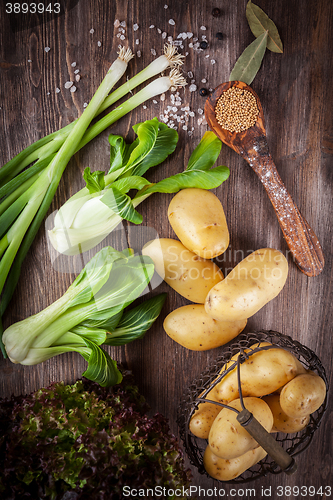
(190, 275)
(303, 395)
(261, 374)
(225, 470)
(204, 417)
(197, 217)
(282, 422)
(227, 438)
(192, 328)
(249, 286)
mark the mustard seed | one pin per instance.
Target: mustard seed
(216, 12)
(236, 110)
(203, 92)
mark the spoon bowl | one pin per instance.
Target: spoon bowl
(252, 145)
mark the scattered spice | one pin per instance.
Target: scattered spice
(203, 45)
(236, 110)
(219, 35)
(203, 92)
(216, 12)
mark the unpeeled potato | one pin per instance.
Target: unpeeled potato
(197, 217)
(187, 273)
(227, 438)
(192, 328)
(303, 395)
(282, 421)
(226, 470)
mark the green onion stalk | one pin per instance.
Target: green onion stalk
(26, 196)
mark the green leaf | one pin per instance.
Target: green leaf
(119, 152)
(109, 323)
(126, 183)
(202, 179)
(136, 322)
(94, 181)
(96, 335)
(155, 142)
(205, 154)
(101, 368)
(121, 204)
(259, 22)
(94, 275)
(249, 62)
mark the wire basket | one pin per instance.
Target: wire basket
(294, 444)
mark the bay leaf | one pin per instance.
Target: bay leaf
(249, 62)
(259, 22)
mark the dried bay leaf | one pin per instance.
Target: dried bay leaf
(259, 22)
(249, 62)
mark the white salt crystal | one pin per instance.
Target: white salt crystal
(213, 61)
(203, 28)
(153, 51)
(57, 90)
(76, 71)
(190, 45)
(184, 127)
(85, 104)
(151, 26)
(203, 80)
(47, 49)
(192, 88)
(159, 30)
(100, 43)
(170, 39)
(207, 56)
(154, 101)
(116, 24)
(73, 64)
(172, 22)
(174, 109)
(73, 89)
(190, 74)
(138, 53)
(137, 41)
(162, 97)
(122, 37)
(144, 107)
(29, 60)
(200, 111)
(135, 27)
(189, 34)
(191, 113)
(166, 6)
(77, 78)
(123, 24)
(68, 85)
(92, 31)
(164, 35)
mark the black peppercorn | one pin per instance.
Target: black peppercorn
(203, 92)
(216, 12)
(203, 44)
(219, 35)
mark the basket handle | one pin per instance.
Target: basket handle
(266, 441)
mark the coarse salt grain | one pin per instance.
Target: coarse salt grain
(57, 90)
(207, 56)
(170, 39)
(116, 24)
(47, 49)
(154, 101)
(203, 80)
(153, 51)
(135, 27)
(203, 28)
(190, 45)
(164, 35)
(122, 37)
(212, 61)
(100, 43)
(162, 97)
(152, 26)
(144, 107)
(68, 85)
(184, 127)
(77, 78)
(138, 53)
(73, 89)
(189, 34)
(123, 24)
(172, 22)
(92, 31)
(137, 41)
(73, 64)
(190, 74)
(76, 71)
(29, 60)
(200, 111)
(192, 88)
(166, 6)
(85, 104)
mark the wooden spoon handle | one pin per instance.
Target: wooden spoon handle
(301, 239)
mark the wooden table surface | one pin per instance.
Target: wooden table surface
(295, 91)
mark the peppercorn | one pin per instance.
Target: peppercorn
(203, 44)
(216, 12)
(219, 35)
(203, 92)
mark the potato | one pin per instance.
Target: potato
(190, 275)
(204, 417)
(249, 286)
(261, 374)
(227, 438)
(192, 328)
(282, 422)
(303, 395)
(197, 218)
(225, 470)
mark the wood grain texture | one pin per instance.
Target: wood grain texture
(295, 92)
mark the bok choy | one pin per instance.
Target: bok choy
(90, 314)
(92, 213)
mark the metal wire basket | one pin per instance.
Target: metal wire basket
(293, 444)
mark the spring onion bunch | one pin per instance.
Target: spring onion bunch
(26, 193)
(89, 314)
(92, 213)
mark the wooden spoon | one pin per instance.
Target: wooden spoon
(252, 145)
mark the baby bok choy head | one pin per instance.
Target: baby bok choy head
(92, 213)
(87, 315)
